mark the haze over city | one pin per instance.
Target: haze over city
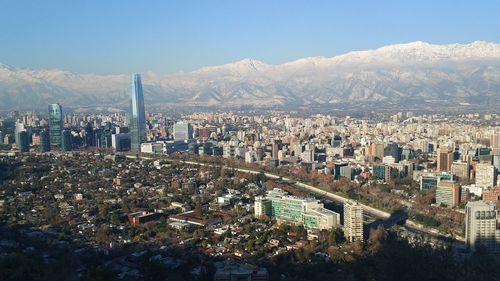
(249, 140)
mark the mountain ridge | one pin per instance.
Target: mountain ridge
(393, 74)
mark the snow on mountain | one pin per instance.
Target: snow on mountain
(394, 75)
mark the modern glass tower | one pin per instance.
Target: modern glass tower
(44, 141)
(23, 142)
(137, 117)
(55, 123)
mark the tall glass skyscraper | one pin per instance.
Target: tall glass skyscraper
(44, 141)
(55, 123)
(137, 117)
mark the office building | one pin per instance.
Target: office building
(308, 212)
(430, 180)
(444, 159)
(377, 150)
(276, 146)
(461, 170)
(392, 149)
(66, 138)
(447, 193)
(353, 221)
(22, 141)
(183, 131)
(481, 227)
(89, 135)
(485, 175)
(55, 124)
(1, 137)
(44, 141)
(120, 142)
(337, 167)
(137, 116)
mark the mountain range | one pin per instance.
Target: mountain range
(415, 75)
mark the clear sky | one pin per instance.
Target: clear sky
(124, 36)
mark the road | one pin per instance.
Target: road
(376, 213)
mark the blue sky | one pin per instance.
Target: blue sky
(124, 36)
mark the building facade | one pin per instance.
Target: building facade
(481, 226)
(137, 115)
(44, 141)
(485, 175)
(183, 131)
(444, 159)
(22, 139)
(55, 124)
(308, 212)
(447, 193)
(353, 221)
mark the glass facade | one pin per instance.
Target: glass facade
(23, 141)
(137, 116)
(66, 143)
(44, 141)
(55, 123)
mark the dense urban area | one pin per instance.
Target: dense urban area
(256, 195)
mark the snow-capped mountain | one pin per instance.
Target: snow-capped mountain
(403, 76)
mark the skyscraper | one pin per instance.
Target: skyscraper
(55, 123)
(183, 131)
(481, 226)
(444, 159)
(137, 117)
(22, 141)
(44, 141)
(353, 221)
(66, 142)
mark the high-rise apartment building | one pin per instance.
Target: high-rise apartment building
(461, 170)
(444, 159)
(353, 221)
(137, 116)
(481, 226)
(55, 123)
(485, 175)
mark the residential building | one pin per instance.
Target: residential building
(485, 175)
(353, 221)
(461, 170)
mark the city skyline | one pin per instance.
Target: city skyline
(283, 140)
